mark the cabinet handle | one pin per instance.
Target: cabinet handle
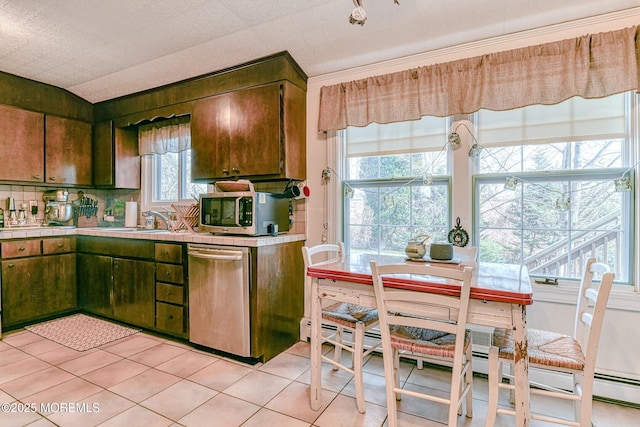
(21, 248)
(52, 178)
(169, 317)
(235, 170)
(60, 245)
(37, 176)
(225, 171)
(11, 265)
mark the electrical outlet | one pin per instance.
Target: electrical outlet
(33, 207)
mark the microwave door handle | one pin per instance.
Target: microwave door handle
(238, 211)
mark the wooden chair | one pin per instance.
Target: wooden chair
(468, 256)
(426, 323)
(343, 317)
(575, 355)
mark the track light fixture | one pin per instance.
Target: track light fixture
(359, 15)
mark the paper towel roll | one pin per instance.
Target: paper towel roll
(131, 214)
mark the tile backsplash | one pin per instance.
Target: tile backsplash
(26, 194)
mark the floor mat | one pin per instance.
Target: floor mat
(81, 332)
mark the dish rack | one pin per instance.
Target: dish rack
(187, 217)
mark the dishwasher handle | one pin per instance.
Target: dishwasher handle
(217, 255)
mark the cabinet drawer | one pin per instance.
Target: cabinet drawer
(166, 252)
(125, 248)
(21, 248)
(169, 293)
(58, 245)
(170, 273)
(170, 318)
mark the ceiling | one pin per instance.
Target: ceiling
(102, 50)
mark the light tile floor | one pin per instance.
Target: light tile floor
(144, 380)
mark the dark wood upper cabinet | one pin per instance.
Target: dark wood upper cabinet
(116, 162)
(21, 145)
(256, 133)
(255, 138)
(67, 151)
(210, 137)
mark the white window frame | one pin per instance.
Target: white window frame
(462, 171)
(147, 186)
(629, 150)
(339, 187)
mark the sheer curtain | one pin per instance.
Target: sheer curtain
(590, 66)
(165, 136)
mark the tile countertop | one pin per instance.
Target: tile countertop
(160, 235)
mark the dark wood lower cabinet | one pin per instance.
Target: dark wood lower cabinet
(144, 284)
(116, 279)
(22, 290)
(133, 291)
(171, 296)
(95, 284)
(277, 301)
(37, 284)
(59, 288)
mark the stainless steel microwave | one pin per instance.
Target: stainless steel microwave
(251, 213)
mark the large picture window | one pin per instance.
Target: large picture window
(544, 195)
(397, 185)
(543, 190)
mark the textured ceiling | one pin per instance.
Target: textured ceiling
(104, 49)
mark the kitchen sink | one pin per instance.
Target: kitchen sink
(118, 229)
(128, 229)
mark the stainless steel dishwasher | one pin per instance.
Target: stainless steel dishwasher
(219, 316)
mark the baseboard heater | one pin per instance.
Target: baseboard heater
(607, 388)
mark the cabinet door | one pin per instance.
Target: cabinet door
(94, 283)
(210, 138)
(59, 284)
(255, 124)
(21, 145)
(68, 151)
(133, 291)
(22, 290)
(116, 161)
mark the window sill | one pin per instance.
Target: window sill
(623, 297)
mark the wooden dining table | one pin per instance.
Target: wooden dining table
(500, 294)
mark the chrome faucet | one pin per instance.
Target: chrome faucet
(158, 215)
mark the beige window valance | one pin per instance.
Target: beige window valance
(165, 136)
(590, 66)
